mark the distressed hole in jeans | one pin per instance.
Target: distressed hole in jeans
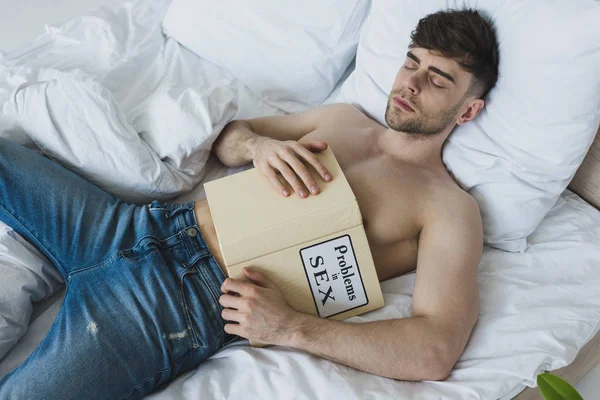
(178, 335)
(92, 328)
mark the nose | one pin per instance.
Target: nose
(413, 84)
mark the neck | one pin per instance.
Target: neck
(424, 151)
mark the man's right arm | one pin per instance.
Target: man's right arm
(234, 146)
(271, 144)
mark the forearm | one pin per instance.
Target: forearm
(407, 349)
(234, 146)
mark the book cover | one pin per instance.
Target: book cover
(315, 249)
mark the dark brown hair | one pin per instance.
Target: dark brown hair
(465, 36)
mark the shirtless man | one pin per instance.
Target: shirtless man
(410, 206)
(148, 297)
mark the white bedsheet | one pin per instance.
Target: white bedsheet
(537, 309)
(108, 96)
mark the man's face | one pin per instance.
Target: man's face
(428, 95)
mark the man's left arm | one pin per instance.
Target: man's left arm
(422, 347)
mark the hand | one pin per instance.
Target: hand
(272, 155)
(259, 310)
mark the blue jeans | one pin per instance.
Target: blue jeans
(141, 304)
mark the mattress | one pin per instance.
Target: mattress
(538, 308)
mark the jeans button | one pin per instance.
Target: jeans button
(192, 232)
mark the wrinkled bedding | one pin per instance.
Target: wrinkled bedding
(110, 97)
(152, 110)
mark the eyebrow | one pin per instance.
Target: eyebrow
(433, 69)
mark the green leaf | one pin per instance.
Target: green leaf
(554, 387)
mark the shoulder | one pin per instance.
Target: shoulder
(341, 108)
(338, 112)
(457, 201)
(452, 232)
(454, 211)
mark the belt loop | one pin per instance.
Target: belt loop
(181, 208)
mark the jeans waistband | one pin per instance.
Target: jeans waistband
(184, 217)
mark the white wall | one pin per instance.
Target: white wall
(23, 20)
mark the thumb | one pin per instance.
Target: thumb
(258, 277)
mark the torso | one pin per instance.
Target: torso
(392, 194)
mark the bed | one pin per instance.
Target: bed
(539, 309)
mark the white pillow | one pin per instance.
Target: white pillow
(27, 277)
(289, 53)
(520, 153)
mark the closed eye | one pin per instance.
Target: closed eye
(437, 86)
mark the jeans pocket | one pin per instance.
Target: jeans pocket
(202, 310)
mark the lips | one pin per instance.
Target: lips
(398, 101)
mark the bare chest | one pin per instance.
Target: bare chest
(389, 195)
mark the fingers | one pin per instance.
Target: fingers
(243, 288)
(231, 315)
(315, 146)
(296, 172)
(289, 158)
(275, 182)
(301, 171)
(258, 277)
(291, 176)
(231, 301)
(304, 150)
(233, 329)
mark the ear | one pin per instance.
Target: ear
(471, 112)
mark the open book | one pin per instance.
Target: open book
(314, 249)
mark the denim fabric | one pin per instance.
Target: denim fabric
(141, 304)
